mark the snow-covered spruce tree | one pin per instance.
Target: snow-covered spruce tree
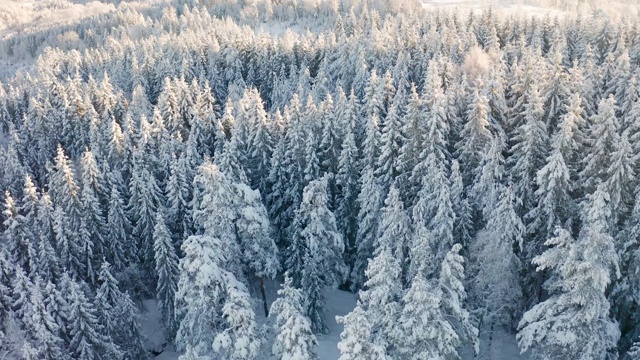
(620, 180)
(91, 196)
(129, 335)
(260, 143)
(17, 234)
(624, 294)
(394, 230)
(178, 191)
(556, 178)
(602, 138)
(200, 293)
(369, 204)
(70, 226)
(295, 339)
(330, 140)
(48, 263)
(311, 163)
(433, 208)
(118, 226)
(486, 187)
(212, 302)
(413, 120)
(315, 256)
(241, 337)
(347, 192)
(496, 284)
(380, 298)
(475, 136)
(556, 181)
(255, 235)
(528, 152)
(454, 295)
(463, 223)
(107, 295)
(423, 330)
(574, 322)
(41, 328)
(287, 173)
(89, 339)
(143, 205)
(6, 270)
(389, 166)
(167, 271)
(355, 340)
(434, 139)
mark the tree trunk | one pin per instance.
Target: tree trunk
(264, 297)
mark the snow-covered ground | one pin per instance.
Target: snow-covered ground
(504, 6)
(538, 8)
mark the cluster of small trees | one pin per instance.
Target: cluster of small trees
(462, 175)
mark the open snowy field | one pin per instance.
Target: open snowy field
(537, 8)
(500, 6)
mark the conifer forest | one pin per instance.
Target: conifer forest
(319, 180)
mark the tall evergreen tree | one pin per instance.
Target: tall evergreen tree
(315, 256)
(577, 304)
(295, 339)
(167, 271)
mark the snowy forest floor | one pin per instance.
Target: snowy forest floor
(339, 303)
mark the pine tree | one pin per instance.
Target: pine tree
(295, 339)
